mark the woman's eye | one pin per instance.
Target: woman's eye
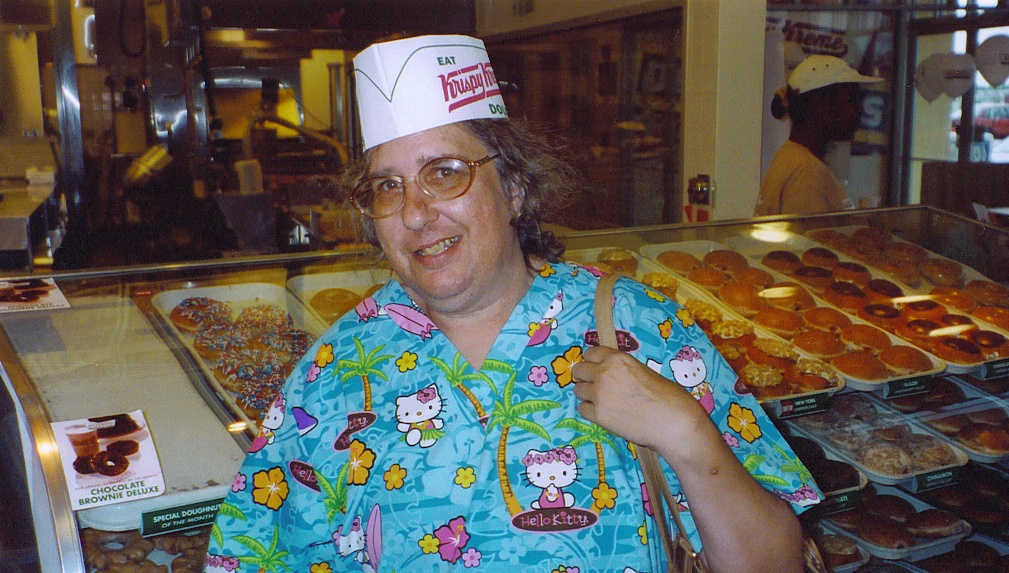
(387, 185)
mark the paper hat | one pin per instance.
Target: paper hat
(407, 86)
(819, 71)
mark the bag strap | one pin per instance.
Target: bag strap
(655, 480)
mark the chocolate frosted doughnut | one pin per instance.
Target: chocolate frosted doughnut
(109, 463)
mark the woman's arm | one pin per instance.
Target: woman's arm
(743, 527)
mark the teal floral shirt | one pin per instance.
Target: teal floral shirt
(387, 452)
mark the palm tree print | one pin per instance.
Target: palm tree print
(268, 559)
(364, 368)
(456, 376)
(334, 495)
(508, 415)
(226, 510)
(590, 433)
(752, 462)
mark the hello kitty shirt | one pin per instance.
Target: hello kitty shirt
(395, 455)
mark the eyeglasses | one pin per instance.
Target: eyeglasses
(441, 179)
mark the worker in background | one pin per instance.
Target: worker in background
(823, 101)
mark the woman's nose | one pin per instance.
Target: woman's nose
(418, 207)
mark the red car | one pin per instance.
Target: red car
(989, 117)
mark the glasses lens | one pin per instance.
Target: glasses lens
(445, 178)
(379, 196)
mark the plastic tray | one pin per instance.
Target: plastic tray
(687, 290)
(863, 555)
(974, 401)
(239, 296)
(753, 250)
(922, 549)
(304, 287)
(910, 481)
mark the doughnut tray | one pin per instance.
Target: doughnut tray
(238, 296)
(863, 555)
(856, 421)
(779, 407)
(753, 250)
(974, 405)
(306, 286)
(756, 249)
(922, 549)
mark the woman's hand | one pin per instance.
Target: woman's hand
(627, 398)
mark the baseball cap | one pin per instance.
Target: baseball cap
(819, 71)
(410, 85)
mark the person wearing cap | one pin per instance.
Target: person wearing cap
(461, 416)
(822, 99)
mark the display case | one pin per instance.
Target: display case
(116, 349)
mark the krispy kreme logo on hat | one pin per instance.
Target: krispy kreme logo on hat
(469, 85)
(407, 86)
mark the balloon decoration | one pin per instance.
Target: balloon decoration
(953, 74)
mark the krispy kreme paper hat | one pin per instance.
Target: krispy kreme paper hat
(407, 86)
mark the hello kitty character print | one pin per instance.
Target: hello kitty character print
(552, 471)
(272, 421)
(540, 331)
(417, 415)
(690, 371)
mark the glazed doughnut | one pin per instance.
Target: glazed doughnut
(332, 303)
(949, 425)
(884, 316)
(935, 523)
(990, 416)
(825, 318)
(810, 375)
(789, 296)
(902, 253)
(905, 360)
(192, 312)
(882, 291)
(782, 261)
(816, 278)
(819, 257)
(959, 320)
(952, 297)
(865, 337)
(986, 439)
(918, 331)
(709, 278)
(743, 298)
(846, 296)
(992, 344)
(928, 309)
(124, 447)
(679, 261)
(995, 315)
(784, 323)
(754, 276)
(986, 292)
(874, 236)
(109, 463)
(852, 273)
(621, 260)
(861, 365)
(726, 260)
(819, 343)
(957, 350)
(829, 237)
(942, 272)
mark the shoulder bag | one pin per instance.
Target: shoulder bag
(680, 553)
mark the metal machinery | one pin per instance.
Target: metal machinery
(217, 126)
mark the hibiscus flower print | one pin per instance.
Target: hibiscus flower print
(324, 356)
(406, 362)
(563, 363)
(684, 316)
(743, 422)
(361, 461)
(452, 538)
(270, 488)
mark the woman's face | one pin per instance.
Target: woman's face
(456, 255)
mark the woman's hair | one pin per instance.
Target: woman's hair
(532, 165)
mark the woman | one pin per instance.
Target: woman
(460, 417)
(823, 102)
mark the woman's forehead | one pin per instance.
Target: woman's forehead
(416, 149)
